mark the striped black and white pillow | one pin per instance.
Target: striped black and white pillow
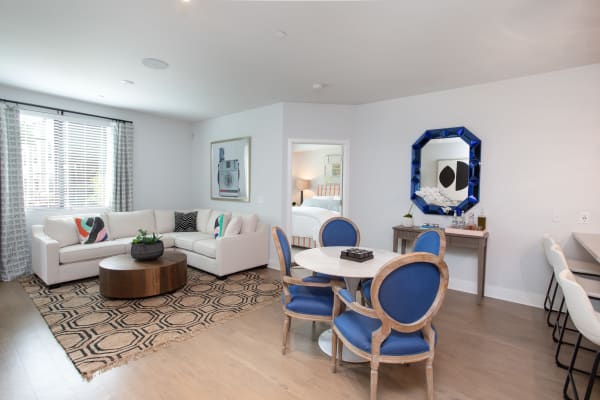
(186, 222)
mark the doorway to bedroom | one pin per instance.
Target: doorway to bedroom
(317, 184)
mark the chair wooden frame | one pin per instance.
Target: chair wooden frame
(388, 323)
(441, 254)
(343, 219)
(289, 280)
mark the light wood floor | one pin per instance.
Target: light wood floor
(497, 350)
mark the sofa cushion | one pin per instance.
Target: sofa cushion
(186, 222)
(249, 223)
(126, 224)
(214, 214)
(165, 220)
(168, 242)
(206, 247)
(84, 252)
(234, 227)
(91, 229)
(203, 216)
(185, 240)
(62, 229)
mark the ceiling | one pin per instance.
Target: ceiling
(226, 56)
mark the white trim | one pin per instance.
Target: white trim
(496, 292)
(345, 177)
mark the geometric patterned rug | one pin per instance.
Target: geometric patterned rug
(99, 333)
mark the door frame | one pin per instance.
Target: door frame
(345, 176)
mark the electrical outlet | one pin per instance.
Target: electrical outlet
(584, 217)
(555, 216)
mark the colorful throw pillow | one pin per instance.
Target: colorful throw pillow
(186, 222)
(219, 226)
(91, 230)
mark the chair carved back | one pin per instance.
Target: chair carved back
(339, 231)
(431, 241)
(284, 252)
(407, 293)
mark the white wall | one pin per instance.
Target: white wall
(264, 126)
(270, 127)
(162, 152)
(540, 153)
(316, 123)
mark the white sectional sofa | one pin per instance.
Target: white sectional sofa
(58, 256)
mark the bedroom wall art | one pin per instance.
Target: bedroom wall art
(230, 169)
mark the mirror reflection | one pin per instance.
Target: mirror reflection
(445, 172)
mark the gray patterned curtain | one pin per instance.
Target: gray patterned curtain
(123, 189)
(14, 242)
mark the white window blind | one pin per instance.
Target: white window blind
(67, 162)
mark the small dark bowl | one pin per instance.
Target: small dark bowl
(147, 252)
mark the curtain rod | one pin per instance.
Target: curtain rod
(61, 110)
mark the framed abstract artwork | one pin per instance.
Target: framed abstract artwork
(230, 169)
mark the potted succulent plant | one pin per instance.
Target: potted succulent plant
(146, 247)
(407, 219)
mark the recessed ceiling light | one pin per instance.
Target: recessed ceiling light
(127, 82)
(155, 63)
(281, 34)
(185, 1)
(318, 86)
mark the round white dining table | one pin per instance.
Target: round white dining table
(326, 260)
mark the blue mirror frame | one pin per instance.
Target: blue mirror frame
(474, 144)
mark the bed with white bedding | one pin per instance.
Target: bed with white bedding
(308, 218)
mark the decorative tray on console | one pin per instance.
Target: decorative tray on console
(355, 254)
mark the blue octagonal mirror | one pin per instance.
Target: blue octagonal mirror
(446, 170)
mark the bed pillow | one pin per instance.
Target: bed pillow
(328, 204)
(91, 230)
(186, 222)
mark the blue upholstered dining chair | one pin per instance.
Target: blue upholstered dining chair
(430, 241)
(407, 292)
(339, 231)
(311, 301)
(336, 231)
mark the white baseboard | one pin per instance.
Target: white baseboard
(273, 263)
(497, 292)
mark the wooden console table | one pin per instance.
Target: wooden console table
(479, 243)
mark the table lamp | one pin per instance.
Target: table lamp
(301, 185)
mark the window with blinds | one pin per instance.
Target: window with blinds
(67, 162)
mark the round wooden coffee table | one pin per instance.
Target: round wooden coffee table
(122, 277)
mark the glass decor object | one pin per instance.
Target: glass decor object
(446, 168)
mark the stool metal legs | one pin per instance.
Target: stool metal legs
(570, 381)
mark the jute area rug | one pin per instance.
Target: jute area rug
(98, 333)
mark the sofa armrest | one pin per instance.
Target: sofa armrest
(44, 255)
(247, 250)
